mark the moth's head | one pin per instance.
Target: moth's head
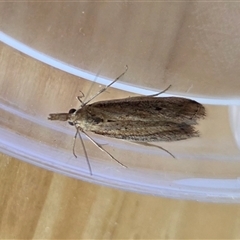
(70, 116)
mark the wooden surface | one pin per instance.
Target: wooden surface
(39, 204)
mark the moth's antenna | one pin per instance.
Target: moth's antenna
(104, 89)
(84, 149)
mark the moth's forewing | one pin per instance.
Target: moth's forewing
(170, 109)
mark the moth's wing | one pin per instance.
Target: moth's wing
(140, 131)
(170, 109)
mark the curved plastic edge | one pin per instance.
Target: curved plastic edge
(234, 115)
(206, 190)
(92, 76)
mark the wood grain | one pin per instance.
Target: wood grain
(38, 204)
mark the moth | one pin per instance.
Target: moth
(141, 119)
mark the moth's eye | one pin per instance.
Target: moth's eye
(71, 123)
(72, 111)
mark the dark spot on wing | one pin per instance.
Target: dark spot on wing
(109, 120)
(97, 120)
(158, 108)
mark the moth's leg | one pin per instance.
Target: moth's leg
(156, 94)
(84, 149)
(79, 97)
(105, 88)
(74, 143)
(152, 145)
(102, 149)
(152, 95)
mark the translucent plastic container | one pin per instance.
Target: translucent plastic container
(162, 44)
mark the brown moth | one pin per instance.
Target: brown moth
(141, 119)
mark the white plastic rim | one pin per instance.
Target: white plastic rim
(92, 76)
